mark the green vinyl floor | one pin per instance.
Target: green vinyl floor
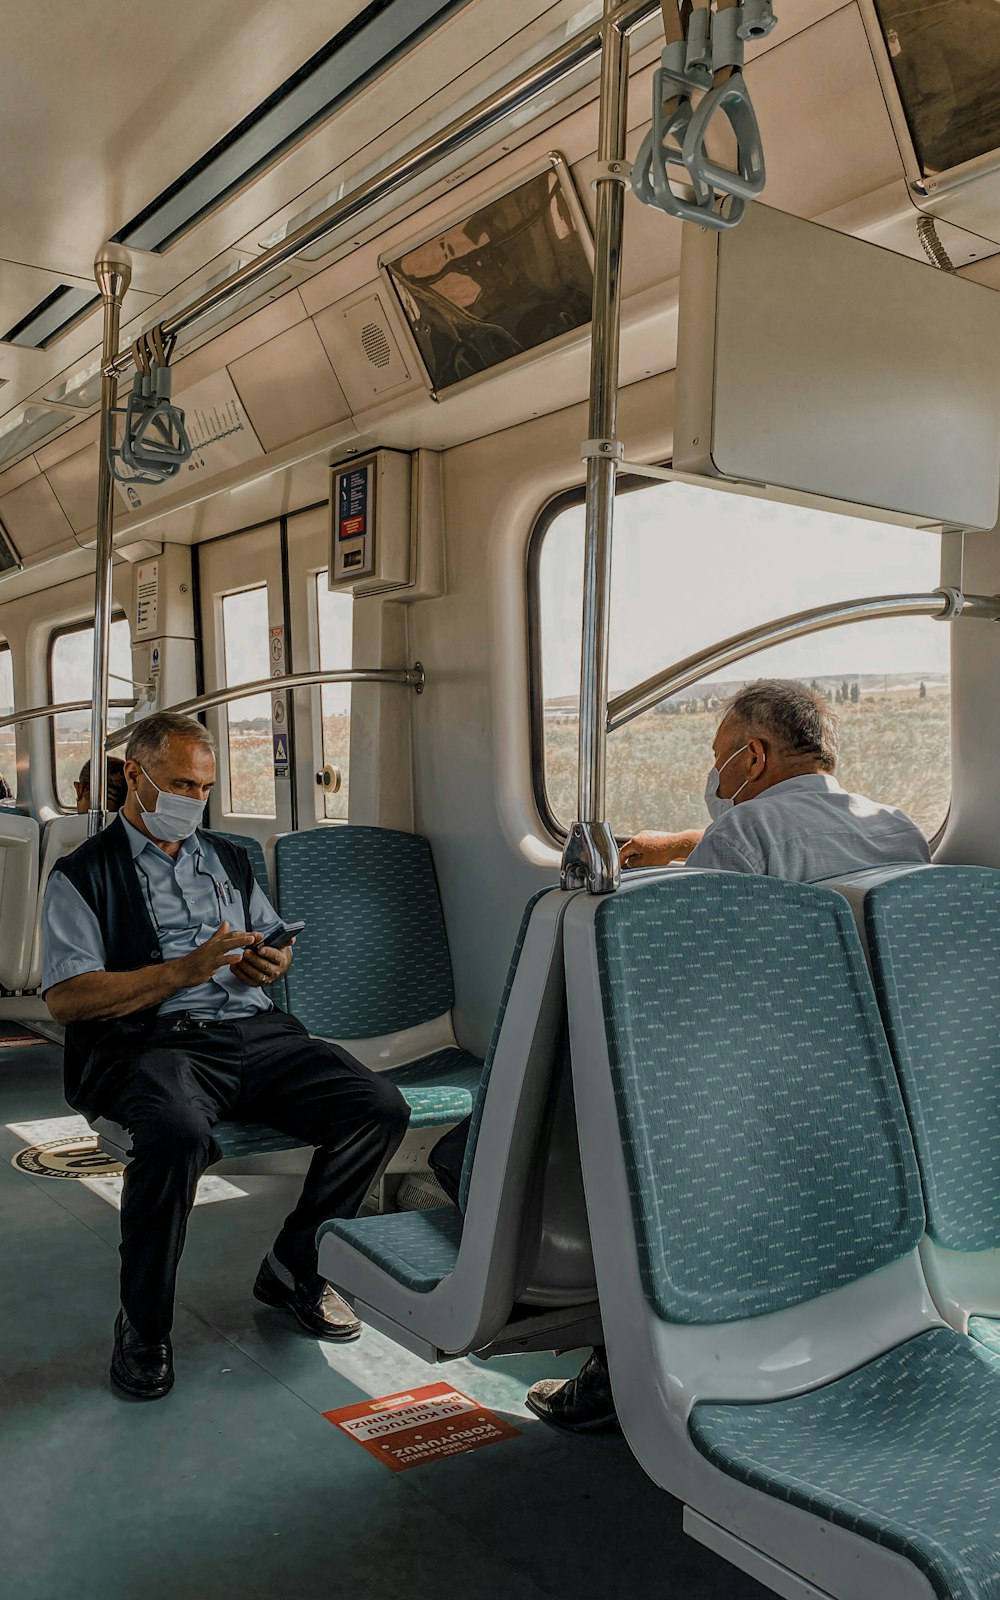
(236, 1487)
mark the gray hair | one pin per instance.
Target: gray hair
(800, 721)
(148, 743)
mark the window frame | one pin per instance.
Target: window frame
(627, 483)
(117, 615)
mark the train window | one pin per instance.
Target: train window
(334, 629)
(71, 677)
(248, 722)
(8, 761)
(674, 591)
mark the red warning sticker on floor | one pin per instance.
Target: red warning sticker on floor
(405, 1430)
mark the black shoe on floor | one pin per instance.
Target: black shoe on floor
(318, 1308)
(583, 1404)
(139, 1369)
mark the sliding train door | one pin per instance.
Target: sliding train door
(243, 640)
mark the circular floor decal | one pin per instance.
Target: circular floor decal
(76, 1157)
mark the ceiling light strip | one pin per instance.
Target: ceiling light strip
(51, 317)
(366, 47)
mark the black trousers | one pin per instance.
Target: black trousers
(266, 1068)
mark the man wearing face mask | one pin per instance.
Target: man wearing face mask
(777, 747)
(776, 810)
(160, 947)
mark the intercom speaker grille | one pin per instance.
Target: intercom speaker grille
(375, 345)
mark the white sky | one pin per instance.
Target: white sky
(246, 640)
(692, 566)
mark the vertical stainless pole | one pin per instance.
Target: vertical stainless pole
(113, 271)
(590, 859)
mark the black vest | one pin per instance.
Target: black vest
(102, 871)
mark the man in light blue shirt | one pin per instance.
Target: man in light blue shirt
(776, 806)
(777, 810)
(159, 947)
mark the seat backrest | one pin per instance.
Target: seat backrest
(373, 958)
(59, 838)
(555, 1239)
(766, 1146)
(18, 896)
(258, 865)
(934, 945)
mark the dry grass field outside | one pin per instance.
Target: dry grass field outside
(251, 766)
(894, 747)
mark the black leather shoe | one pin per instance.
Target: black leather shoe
(583, 1404)
(140, 1370)
(318, 1308)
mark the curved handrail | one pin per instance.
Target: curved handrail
(410, 677)
(943, 604)
(57, 710)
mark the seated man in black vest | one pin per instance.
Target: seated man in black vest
(159, 948)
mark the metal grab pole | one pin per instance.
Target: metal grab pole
(590, 859)
(113, 271)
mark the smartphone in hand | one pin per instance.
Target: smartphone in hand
(280, 936)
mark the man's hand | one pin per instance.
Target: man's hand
(649, 849)
(262, 966)
(221, 950)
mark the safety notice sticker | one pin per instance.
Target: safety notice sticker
(427, 1424)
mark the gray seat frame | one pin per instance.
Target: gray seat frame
(474, 1305)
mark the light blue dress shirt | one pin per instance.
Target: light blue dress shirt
(187, 897)
(808, 828)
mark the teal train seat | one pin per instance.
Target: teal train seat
(933, 937)
(372, 968)
(510, 1267)
(755, 1209)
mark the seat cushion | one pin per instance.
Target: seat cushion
(439, 1087)
(986, 1333)
(904, 1452)
(416, 1248)
(251, 1139)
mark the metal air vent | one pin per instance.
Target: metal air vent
(375, 345)
(52, 317)
(353, 57)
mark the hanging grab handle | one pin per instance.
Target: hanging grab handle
(703, 56)
(154, 444)
(731, 100)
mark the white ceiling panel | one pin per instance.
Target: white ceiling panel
(104, 106)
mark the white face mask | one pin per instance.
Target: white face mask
(176, 817)
(717, 806)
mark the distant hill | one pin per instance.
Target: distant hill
(720, 689)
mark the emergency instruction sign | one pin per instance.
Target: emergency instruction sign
(406, 1430)
(353, 519)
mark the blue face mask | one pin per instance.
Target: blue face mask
(175, 817)
(717, 806)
